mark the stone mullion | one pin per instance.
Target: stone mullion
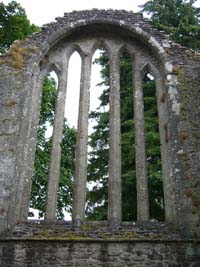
(55, 158)
(141, 168)
(167, 183)
(114, 183)
(79, 195)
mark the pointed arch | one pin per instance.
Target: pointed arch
(148, 67)
(162, 109)
(127, 48)
(73, 85)
(74, 47)
(101, 43)
(53, 66)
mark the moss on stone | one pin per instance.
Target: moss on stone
(176, 70)
(84, 233)
(16, 53)
(162, 98)
(183, 135)
(196, 135)
(2, 61)
(32, 49)
(87, 227)
(10, 103)
(188, 192)
(195, 200)
(185, 156)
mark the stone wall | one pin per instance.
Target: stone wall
(98, 254)
(187, 135)
(20, 94)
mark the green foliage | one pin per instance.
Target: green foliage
(14, 24)
(179, 18)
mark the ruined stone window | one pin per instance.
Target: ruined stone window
(86, 49)
(177, 103)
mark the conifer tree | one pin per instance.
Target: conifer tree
(99, 143)
(179, 18)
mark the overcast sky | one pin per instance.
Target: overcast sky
(43, 11)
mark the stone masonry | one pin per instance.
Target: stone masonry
(177, 76)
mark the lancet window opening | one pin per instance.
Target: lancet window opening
(128, 175)
(99, 115)
(54, 174)
(55, 158)
(49, 83)
(152, 144)
(73, 89)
